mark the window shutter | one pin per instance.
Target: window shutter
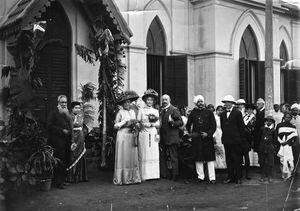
(243, 78)
(291, 85)
(175, 80)
(155, 65)
(54, 71)
(260, 80)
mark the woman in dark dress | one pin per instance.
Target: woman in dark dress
(77, 171)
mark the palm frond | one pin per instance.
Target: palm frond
(85, 53)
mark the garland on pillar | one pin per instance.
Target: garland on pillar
(108, 54)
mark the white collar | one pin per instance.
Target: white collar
(166, 107)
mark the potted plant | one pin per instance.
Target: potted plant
(42, 164)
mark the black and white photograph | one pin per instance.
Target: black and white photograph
(150, 105)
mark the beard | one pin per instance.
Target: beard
(62, 110)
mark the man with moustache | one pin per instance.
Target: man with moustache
(60, 127)
(203, 122)
(169, 139)
(232, 126)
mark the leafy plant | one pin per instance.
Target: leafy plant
(87, 91)
(42, 163)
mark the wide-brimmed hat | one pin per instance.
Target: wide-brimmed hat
(127, 95)
(240, 102)
(228, 98)
(150, 93)
(75, 103)
(270, 117)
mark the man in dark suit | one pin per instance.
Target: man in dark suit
(60, 127)
(260, 122)
(169, 134)
(232, 126)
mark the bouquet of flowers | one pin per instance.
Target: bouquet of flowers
(135, 127)
(152, 118)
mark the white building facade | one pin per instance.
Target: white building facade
(223, 42)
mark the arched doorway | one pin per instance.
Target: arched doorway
(252, 72)
(288, 84)
(165, 74)
(54, 64)
(156, 51)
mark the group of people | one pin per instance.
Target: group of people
(220, 138)
(148, 139)
(66, 136)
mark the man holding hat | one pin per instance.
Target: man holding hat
(203, 122)
(170, 122)
(232, 126)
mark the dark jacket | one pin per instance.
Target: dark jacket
(232, 127)
(55, 125)
(260, 121)
(169, 133)
(268, 140)
(202, 121)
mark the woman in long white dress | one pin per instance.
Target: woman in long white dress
(148, 141)
(220, 151)
(126, 153)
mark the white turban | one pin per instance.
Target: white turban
(197, 98)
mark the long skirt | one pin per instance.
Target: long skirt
(148, 154)
(126, 159)
(78, 173)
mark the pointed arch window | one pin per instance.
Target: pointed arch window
(248, 45)
(252, 72)
(156, 38)
(288, 84)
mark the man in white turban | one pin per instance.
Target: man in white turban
(201, 126)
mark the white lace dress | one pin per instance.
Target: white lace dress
(126, 156)
(148, 145)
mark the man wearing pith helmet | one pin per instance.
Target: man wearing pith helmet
(232, 126)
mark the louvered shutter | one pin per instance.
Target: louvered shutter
(260, 80)
(291, 82)
(53, 68)
(243, 77)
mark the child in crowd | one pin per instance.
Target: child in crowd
(267, 149)
(287, 134)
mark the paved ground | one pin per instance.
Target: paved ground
(100, 194)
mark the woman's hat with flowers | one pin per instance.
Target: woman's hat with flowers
(127, 95)
(150, 93)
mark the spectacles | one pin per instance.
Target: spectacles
(63, 102)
